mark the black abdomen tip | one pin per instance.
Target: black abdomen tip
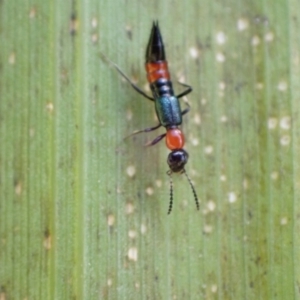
(155, 49)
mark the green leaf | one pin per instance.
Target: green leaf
(84, 212)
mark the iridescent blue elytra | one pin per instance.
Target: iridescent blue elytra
(168, 111)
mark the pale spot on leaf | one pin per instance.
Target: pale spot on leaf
(272, 123)
(282, 86)
(269, 37)
(130, 171)
(214, 288)
(50, 107)
(132, 234)
(129, 115)
(208, 149)
(223, 119)
(255, 41)
(222, 85)
(94, 22)
(285, 122)
(133, 254)
(211, 205)
(158, 183)
(223, 178)
(197, 119)
(220, 57)
(274, 175)
(232, 197)
(143, 229)
(207, 228)
(149, 191)
(129, 208)
(194, 53)
(12, 58)
(221, 38)
(242, 24)
(18, 188)
(110, 220)
(285, 140)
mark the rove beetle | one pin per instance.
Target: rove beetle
(167, 107)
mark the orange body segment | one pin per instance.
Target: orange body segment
(156, 70)
(174, 139)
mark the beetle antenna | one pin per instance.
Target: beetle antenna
(193, 189)
(171, 193)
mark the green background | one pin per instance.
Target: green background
(83, 213)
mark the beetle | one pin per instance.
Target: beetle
(167, 107)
